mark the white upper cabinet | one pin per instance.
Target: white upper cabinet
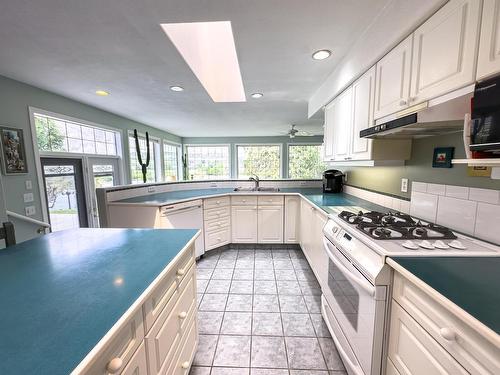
(392, 87)
(489, 46)
(342, 125)
(444, 50)
(363, 96)
(328, 134)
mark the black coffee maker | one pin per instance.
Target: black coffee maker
(333, 181)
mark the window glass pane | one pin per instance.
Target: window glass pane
(57, 135)
(263, 161)
(135, 167)
(305, 161)
(208, 162)
(170, 162)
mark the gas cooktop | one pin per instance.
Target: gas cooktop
(395, 226)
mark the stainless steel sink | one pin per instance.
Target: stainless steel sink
(263, 189)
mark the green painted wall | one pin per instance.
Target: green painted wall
(233, 141)
(15, 98)
(419, 168)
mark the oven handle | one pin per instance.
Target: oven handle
(359, 281)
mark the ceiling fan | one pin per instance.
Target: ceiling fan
(292, 133)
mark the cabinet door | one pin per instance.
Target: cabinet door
(413, 351)
(305, 226)
(138, 364)
(392, 86)
(363, 97)
(328, 133)
(319, 257)
(445, 49)
(342, 125)
(292, 219)
(270, 224)
(244, 224)
(488, 62)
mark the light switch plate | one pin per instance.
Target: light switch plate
(29, 185)
(30, 210)
(28, 197)
(404, 185)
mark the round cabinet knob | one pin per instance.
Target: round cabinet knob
(218, 202)
(114, 365)
(218, 239)
(183, 315)
(181, 272)
(403, 102)
(448, 334)
(185, 365)
(244, 200)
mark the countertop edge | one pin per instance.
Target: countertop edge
(114, 330)
(463, 315)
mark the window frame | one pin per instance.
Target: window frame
(230, 159)
(178, 147)
(301, 144)
(158, 157)
(236, 145)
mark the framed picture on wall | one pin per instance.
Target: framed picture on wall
(442, 157)
(13, 151)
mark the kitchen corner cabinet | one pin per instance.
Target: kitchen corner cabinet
(489, 44)
(392, 87)
(292, 219)
(244, 224)
(444, 50)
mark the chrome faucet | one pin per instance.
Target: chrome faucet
(255, 179)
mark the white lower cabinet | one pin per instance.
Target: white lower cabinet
(138, 364)
(292, 219)
(270, 224)
(244, 224)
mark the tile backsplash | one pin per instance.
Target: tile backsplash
(471, 211)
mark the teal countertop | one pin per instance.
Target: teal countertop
(470, 283)
(61, 293)
(314, 195)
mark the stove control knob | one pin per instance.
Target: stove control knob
(456, 244)
(335, 230)
(440, 245)
(426, 245)
(410, 245)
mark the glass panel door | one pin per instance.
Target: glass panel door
(103, 173)
(65, 193)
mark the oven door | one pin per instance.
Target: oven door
(358, 308)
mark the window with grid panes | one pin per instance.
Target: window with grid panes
(261, 160)
(207, 162)
(58, 135)
(305, 161)
(171, 162)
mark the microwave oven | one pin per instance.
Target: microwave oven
(485, 124)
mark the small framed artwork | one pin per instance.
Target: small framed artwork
(13, 151)
(442, 157)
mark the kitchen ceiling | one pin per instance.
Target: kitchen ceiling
(74, 48)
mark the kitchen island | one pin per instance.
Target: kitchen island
(76, 298)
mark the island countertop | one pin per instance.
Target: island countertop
(314, 195)
(62, 292)
(469, 282)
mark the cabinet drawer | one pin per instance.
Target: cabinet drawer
(217, 224)
(271, 200)
(164, 339)
(215, 202)
(138, 365)
(184, 359)
(216, 239)
(217, 213)
(413, 351)
(244, 200)
(167, 288)
(473, 351)
(121, 348)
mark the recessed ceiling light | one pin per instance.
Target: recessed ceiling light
(102, 93)
(257, 95)
(321, 54)
(176, 88)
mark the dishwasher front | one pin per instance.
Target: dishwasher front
(185, 215)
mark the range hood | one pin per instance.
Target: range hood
(435, 117)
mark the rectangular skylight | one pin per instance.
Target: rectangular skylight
(209, 50)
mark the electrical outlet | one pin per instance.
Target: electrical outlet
(28, 184)
(404, 185)
(30, 210)
(28, 197)
(151, 189)
(345, 176)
